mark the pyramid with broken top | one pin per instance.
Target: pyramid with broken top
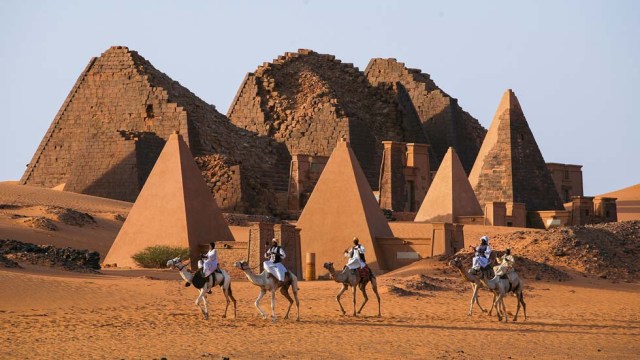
(450, 194)
(509, 166)
(174, 208)
(342, 206)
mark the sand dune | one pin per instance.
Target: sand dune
(628, 202)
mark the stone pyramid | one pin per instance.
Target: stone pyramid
(309, 101)
(450, 194)
(112, 126)
(174, 208)
(510, 167)
(443, 120)
(342, 206)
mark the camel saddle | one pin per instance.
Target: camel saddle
(199, 280)
(365, 273)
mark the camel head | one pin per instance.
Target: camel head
(455, 263)
(242, 265)
(175, 263)
(328, 266)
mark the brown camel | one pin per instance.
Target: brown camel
(348, 278)
(477, 281)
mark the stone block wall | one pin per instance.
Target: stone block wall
(444, 122)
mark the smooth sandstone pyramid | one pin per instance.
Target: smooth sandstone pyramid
(450, 194)
(174, 208)
(509, 166)
(342, 206)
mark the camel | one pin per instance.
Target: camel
(347, 278)
(501, 287)
(267, 282)
(477, 281)
(223, 279)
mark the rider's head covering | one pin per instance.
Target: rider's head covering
(355, 241)
(484, 239)
(212, 244)
(274, 241)
(508, 251)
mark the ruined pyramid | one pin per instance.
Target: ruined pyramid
(510, 167)
(444, 122)
(111, 128)
(309, 101)
(342, 206)
(175, 208)
(450, 194)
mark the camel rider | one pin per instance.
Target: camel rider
(274, 265)
(506, 263)
(356, 256)
(481, 258)
(210, 263)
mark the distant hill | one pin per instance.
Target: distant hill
(628, 202)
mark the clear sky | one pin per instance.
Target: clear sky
(574, 65)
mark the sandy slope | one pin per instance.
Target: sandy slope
(628, 202)
(48, 314)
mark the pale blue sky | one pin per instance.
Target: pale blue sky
(574, 65)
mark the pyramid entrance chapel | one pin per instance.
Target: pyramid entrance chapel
(408, 147)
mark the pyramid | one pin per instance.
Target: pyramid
(111, 128)
(174, 208)
(450, 194)
(509, 166)
(342, 206)
(442, 119)
(309, 101)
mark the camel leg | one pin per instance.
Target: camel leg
(497, 306)
(374, 287)
(226, 297)
(273, 305)
(344, 288)
(285, 292)
(202, 297)
(355, 287)
(230, 292)
(263, 292)
(474, 298)
(524, 306)
(492, 304)
(363, 290)
(295, 295)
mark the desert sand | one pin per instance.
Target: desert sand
(145, 314)
(628, 202)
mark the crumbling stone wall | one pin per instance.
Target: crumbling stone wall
(122, 92)
(309, 101)
(443, 120)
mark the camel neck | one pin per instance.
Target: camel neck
(252, 277)
(186, 275)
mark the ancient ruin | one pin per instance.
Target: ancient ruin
(109, 132)
(175, 208)
(342, 207)
(444, 122)
(450, 196)
(509, 166)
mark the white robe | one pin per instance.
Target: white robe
(276, 269)
(210, 264)
(506, 265)
(355, 262)
(480, 261)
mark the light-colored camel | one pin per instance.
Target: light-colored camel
(222, 279)
(267, 282)
(501, 287)
(347, 278)
(476, 281)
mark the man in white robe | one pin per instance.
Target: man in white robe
(483, 251)
(210, 263)
(274, 265)
(506, 263)
(356, 256)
